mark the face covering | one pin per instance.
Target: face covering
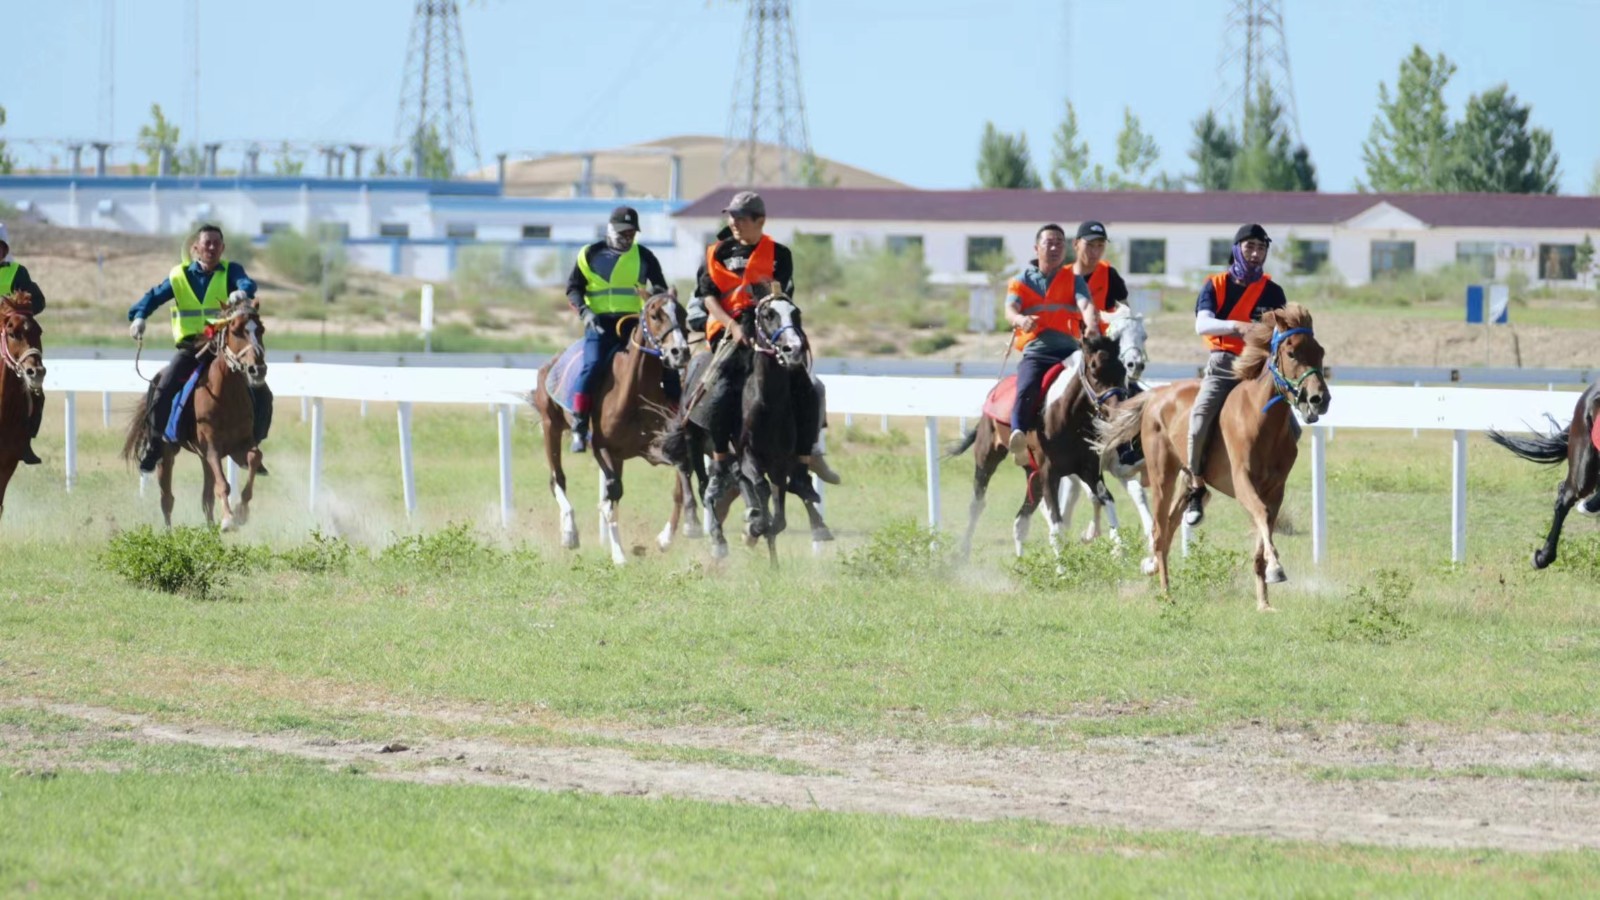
(614, 239)
(1243, 272)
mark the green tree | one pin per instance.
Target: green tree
(7, 164)
(1583, 260)
(1213, 153)
(1266, 159)
(430, 158)
(1496, 151)
(157, 134)
(1305, 172)
(1069, 158)
(380, 164)
(1003, 160)
(1136, 153)
(1410, 146)
(814, 173)
(285, 162)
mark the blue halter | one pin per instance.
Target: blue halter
(1285, 387)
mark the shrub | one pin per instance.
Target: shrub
(323, 553)
(1079, 566)
(898, 550)
(452, 550)
(1373, 614)
(187, 560)
(1207, 570)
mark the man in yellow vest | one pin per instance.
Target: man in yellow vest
(14, 277)
(199, 288)
(603, 289)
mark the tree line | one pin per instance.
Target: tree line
(1413, 146)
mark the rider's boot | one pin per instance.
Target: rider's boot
(580, 433)
(1196, 511)
(1018, 445)
(817, 462)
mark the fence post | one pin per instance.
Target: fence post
(305, 403)
(408, 479)
(316, 451)
(1458, 497)
(71, 452)
(1319, 495)
(503, 420)
(105, 409)
(931, 426)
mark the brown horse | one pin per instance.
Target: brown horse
(23, 387)
(631, 410)
(1578, 447)
(224, 416)
(1252, 447)
(1059, 447)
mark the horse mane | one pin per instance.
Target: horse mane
(1258, 340)
(17, 303)
(1097, 343)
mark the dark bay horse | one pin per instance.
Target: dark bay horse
(22, 389)
(224, 424)
(1060, 447)
(631, 409)
(1253, 445)
(767, 458)
(1579, 445)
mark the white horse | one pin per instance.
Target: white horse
(1128, 328)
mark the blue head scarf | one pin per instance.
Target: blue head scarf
(1243, 272)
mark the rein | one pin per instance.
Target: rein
(14, 362)
(1098, 401)
(1283, 388)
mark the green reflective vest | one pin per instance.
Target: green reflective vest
(190, 313)
(8, 277)
(618, 296)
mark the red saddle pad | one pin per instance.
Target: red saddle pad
(1003, 396)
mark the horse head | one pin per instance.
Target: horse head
(239, 342)
(1284, 345)
(21, 346)
(1126, 327)
(778, 330)
(1102, 365)
(662, 327)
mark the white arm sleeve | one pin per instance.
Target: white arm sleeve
(1206, 323)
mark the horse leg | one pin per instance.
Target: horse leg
(1023, 523)
(1169, 505)
(1244, 490)
(757, 521)
(220, 489)
(1565, 498)
(1258, 571)
(716, 513)
(552, 426)
(1051, 484)
(208, 488)
(611, 473)
(987, 459)
(1141, 503)
(693, 526)
(664, 539)
(1104, 500)
(779, 523)
(8, 467)
(1070, 491)
(251, 463)
(820, 532)
(164, 478)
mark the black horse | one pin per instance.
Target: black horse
(1577, 447)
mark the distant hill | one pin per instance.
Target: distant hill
(643, 170)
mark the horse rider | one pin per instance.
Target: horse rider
(1047, 303)
(199, 288)
(1229, 303)
(14, 277)
(743, 256)
(1106, 287)
(603, 290)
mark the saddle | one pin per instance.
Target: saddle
(562, 382)
(1003, 396)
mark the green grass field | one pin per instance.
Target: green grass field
(424, 632)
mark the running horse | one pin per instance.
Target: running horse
(23, 388)
(1079, 392)
(1253, 444)
(1579, 446)
(223, 421)
(631, 409)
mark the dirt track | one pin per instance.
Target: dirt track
(1252, 781)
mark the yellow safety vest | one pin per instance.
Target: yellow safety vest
(190, 314)
(8, 277)
(619, 295)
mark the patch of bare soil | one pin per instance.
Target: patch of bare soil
(1253, 780)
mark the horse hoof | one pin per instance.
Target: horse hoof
(1539, 560)
(719, 551)
(1148, 565)
(1276, 575)
(692, 529)
(227, 524)
(1264, 608)
(569, 540)
(821, 534)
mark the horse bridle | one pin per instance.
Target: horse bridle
(234, 361)
(1098, 401)
(768, 343)
(650, 343)
(12, 360)
(1283, 388)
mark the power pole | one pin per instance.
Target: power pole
(768, 112)
(1254, 47)
(436, 94)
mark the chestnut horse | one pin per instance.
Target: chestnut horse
(630, 409)
(1059, 447)
(1252, 447)
(1580, 448)
(23, 387)
(224, 416)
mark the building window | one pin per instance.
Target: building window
(394, 230)
(982, 253)
(1393, 257)
(1307, 257)
(1558, 262)
(271, 228)
(461, 231)
(1147, 256)
(901, 244)
(1476, 255)
(536, 232)
(1221, 252)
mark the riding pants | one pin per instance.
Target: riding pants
(725, 394)
(168, 382)
(1036, 361)
(1215, 386)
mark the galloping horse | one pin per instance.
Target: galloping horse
(631, 409)
(1058, 448)
(766, 443)
(23, 386)
(1580, 447)
(1252, 448)
(224, 418)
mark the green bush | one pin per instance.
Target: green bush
(486, 269)
(1093, 566)
(322, 554)
(1208, 571)
(1374, 614)
(900, 549)
(452, 550)
(309, 263)
(192, 561)
(933, 343)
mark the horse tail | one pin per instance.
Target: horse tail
(958, 447)
(1122, 428)
(1546, 449)
(138, 426)
(674, 445)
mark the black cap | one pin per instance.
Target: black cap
(625, 217)
(1251, 232)
(747, 203)
(1092, 230)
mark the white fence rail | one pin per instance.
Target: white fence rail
(1457, 410)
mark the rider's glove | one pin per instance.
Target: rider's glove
(136, 329)
(590, 321)
(239, 297)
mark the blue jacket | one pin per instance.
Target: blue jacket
(199, 280)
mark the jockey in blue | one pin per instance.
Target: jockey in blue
(14, 277)
(603, 291)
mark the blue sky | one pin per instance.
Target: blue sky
(894, 86)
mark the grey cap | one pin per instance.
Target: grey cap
(747, 203)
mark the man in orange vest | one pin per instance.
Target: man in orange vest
(743, 257)
(1047, 304)
(1106, 287)
(1230, 302)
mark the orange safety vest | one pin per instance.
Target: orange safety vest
(1239, 312)
(1100, 292)
(734, 287)
(1057, 310)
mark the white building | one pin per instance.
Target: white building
(1176, 238)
